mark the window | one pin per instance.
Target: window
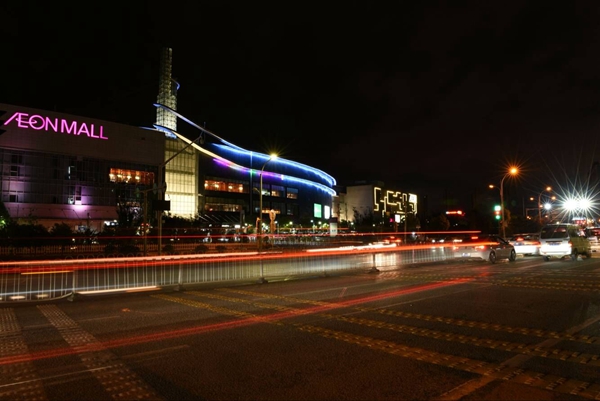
(226, 186)
(13, 198)
(71, 173)
(223, 205)
(278, 207)
(277, 190)
(266, 191)
(292, 193)
(14, 171)
(292, 210)
(131, 176)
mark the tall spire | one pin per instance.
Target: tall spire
(167, 91)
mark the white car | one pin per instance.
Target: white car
(563, 240)
(487, 247)
(526, 244)
(593, 235)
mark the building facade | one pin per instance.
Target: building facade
(231, 180)
(361, 200)
(62, 168)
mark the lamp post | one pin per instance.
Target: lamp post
(512, 171)
(260, 213)
(540, 202)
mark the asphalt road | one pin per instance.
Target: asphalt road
(472, 331)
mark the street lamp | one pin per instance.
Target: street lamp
(540, 202)
(260, 213)
(512, 171)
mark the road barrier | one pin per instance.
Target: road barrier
(54, 279)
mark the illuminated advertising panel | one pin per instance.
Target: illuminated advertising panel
(327, 211)
(317, 211)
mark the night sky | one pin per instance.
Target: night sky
(437, 98)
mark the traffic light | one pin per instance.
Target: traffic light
(497, 210)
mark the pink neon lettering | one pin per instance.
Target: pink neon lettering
(38, 122)
(12, 118)
(53, 126)
(83, 129)
(22, 122)
(32, 121)
(65, 128)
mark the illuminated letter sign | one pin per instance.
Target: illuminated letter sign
(59, 125)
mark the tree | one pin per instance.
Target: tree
(4, 216)
(364, 221)
(412, 221)
(129, 210)
(439, 223)
(28, 234)
(62, 233)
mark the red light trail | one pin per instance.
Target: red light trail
(59, 352)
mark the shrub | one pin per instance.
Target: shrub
(129, 249)
(169, 249)
(110, 248)
(201, 249)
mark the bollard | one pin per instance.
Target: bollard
(374, 268)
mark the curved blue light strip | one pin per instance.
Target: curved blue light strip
(221, 160)
(326, 177)
(193, 124)
(283, 177)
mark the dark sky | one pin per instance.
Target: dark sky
(435, 97)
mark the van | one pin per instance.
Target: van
(560, 240)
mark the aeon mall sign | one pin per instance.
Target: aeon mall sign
(58, 125)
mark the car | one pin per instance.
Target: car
(593, 235)
(392, 239)
(563, 240)
(486, 247)
(526, 244)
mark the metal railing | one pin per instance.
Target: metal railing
(53, 279)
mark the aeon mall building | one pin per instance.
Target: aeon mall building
(62, 168)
